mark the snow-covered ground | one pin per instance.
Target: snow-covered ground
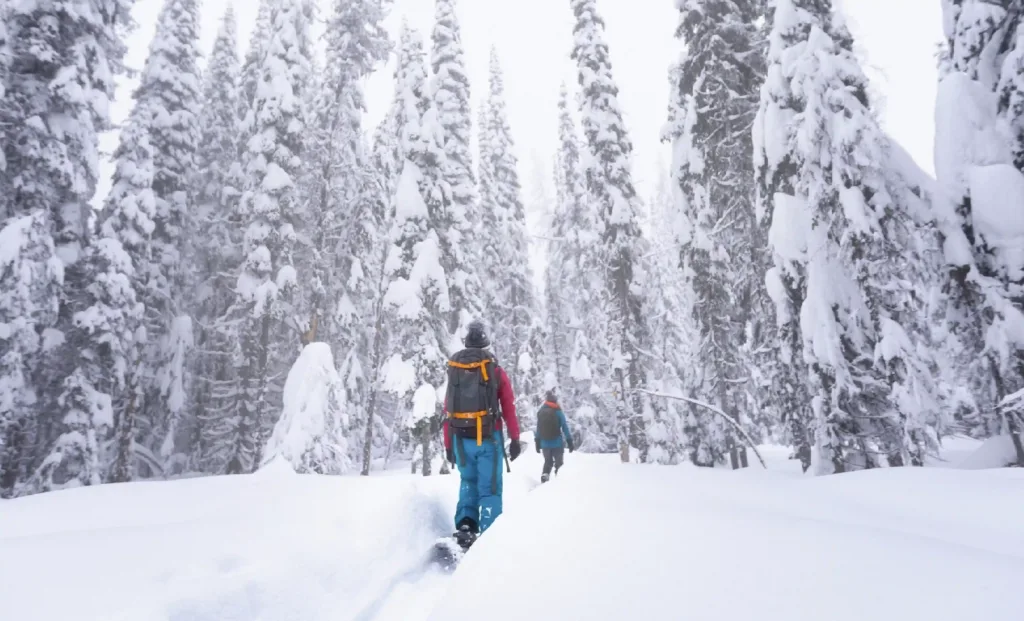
(602, 541)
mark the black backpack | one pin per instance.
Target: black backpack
(472, 398)
(548, 427)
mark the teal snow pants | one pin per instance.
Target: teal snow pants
(480, 469)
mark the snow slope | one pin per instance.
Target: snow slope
(601, 541)
(613, 542)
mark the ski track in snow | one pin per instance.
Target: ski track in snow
(415, 588)
(420, 587)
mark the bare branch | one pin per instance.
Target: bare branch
(707, 406)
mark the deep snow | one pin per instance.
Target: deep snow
(608, 542)
(601, 541)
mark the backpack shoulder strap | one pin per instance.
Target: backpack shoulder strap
(469, 366)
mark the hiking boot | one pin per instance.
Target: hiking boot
(544, 478)
(465, 537)
(466, 533)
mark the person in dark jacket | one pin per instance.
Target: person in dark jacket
(552, 436)
(479, 406)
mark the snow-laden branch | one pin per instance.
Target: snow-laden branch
(1012, 400)
(708, 406)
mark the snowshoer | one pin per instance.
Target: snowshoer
(479, 399)
(552, 435)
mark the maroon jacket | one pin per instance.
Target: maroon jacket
(506, 399)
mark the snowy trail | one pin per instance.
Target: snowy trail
(414, 592)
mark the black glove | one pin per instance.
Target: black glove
(513, 450)
(536, 443)
(449, 453)
(571, 447)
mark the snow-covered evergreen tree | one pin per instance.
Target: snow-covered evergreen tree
(387, 435)
(483, 172)
(417, 297)
(60, 80)
(546, 353)
(167, 105)
(270, 211)
(573, 285)
(5, 66)
(60, 75)
(715, 88)
(106, 319)
(311, 432)
(558, 273)
(785, 372)
(33, 276)
(1010, 87)
(216, 250)
(610, 184)
(978, 164)
(349, 210)
(841, 233)
(511, 299)
(254, 56)
(388, 155)
(385, 151)
(129, 219)
(450, 90)
(676, 431)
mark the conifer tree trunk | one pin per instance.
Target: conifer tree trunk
(371, 411)
(375, 363)
(426, 439)
(1012, 417)
(124, 436)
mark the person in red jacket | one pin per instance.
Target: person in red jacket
(479, 406)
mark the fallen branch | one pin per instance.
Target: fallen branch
(708, 406)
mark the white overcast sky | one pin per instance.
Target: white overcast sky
(896, 39)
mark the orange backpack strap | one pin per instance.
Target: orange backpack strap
(479, 423)
(482, 365)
